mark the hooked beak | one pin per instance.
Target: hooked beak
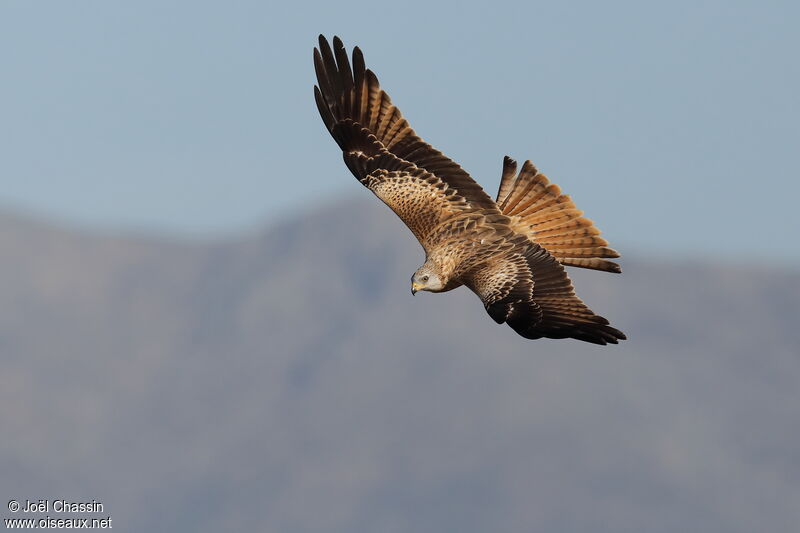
(415, 287)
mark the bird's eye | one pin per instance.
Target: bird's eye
(424, 278)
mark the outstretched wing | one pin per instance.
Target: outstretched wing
(529, 290)
(538, 209)
(417, 181)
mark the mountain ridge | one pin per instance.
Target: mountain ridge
(285, 380)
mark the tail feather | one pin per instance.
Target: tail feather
(538, 209)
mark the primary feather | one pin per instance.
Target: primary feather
(507, 252)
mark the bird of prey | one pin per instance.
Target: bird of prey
(510, 251)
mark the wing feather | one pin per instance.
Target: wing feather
(378, 144)
(519, 281)
(528, 289)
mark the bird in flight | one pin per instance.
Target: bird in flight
(510, 251)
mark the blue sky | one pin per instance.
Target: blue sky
(674, 125)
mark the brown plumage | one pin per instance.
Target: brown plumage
(537, 208)
(510, 252)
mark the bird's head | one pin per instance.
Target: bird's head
(426, 279)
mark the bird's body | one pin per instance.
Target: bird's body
(509, 251)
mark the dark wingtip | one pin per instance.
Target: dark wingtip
(358, 65)
(613, 335)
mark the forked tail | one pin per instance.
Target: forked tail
(538, 209)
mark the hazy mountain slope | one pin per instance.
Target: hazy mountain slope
(289, 382)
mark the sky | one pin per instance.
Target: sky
(674, 125)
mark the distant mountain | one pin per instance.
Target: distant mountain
(287, 381)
